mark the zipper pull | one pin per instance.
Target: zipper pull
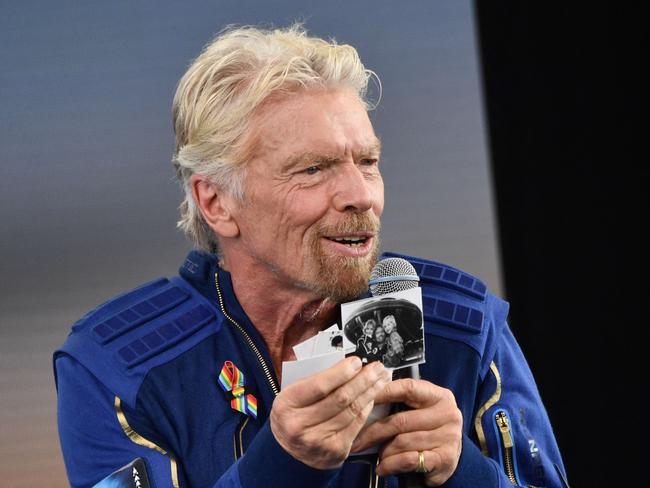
(504, 427)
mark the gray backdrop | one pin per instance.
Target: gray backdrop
(88, 201)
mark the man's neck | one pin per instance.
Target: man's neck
(283, 314)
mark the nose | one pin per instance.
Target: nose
(354, 191)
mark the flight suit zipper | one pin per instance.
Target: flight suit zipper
(507, 445)
(249, 341)
(238, 442)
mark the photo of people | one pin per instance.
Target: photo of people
(387, 328)
(395, 344)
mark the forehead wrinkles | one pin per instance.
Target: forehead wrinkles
(278, 120)
(278, 117)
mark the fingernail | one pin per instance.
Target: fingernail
(356, 363)
(385, 373)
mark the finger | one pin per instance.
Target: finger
(427, 419)
(328, 441)
(414, 393)
(316, 387)
(411, 441)
(343, 405)
(388, 427)
(350, 404)
(351, 430)
(407, 462)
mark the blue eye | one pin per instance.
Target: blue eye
(312, 170)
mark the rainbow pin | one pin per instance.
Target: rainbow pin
(233, 380)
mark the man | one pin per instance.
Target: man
(179, 378)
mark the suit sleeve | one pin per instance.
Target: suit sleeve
(93, 441)
(267, 464)
(516, 445)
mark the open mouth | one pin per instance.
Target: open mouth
(352, 241)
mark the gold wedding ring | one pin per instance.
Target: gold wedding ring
(421, 467)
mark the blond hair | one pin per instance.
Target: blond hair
(224, 86)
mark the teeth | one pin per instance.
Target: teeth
(350, 241)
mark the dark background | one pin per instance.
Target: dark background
(563, 88)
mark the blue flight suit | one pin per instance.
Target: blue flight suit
(138, 378)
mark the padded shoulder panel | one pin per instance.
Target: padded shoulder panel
(121, 340)
(457, 305)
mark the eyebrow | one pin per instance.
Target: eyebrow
(373, 149)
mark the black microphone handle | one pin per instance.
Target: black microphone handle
(407, 480)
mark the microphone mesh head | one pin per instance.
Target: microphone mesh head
(392, 274)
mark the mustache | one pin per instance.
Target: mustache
(357, 222)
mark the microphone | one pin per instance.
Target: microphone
(391, 275)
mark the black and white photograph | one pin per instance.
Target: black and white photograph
(387, 328)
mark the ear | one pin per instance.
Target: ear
(215, 206)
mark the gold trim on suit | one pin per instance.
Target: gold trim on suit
(141, 441)
(491, 401)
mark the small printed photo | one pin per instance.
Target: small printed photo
(388, 328)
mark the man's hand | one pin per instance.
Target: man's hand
(317, 419)
(434, 426)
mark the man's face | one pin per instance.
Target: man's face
(380, 335)
(314, 194)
